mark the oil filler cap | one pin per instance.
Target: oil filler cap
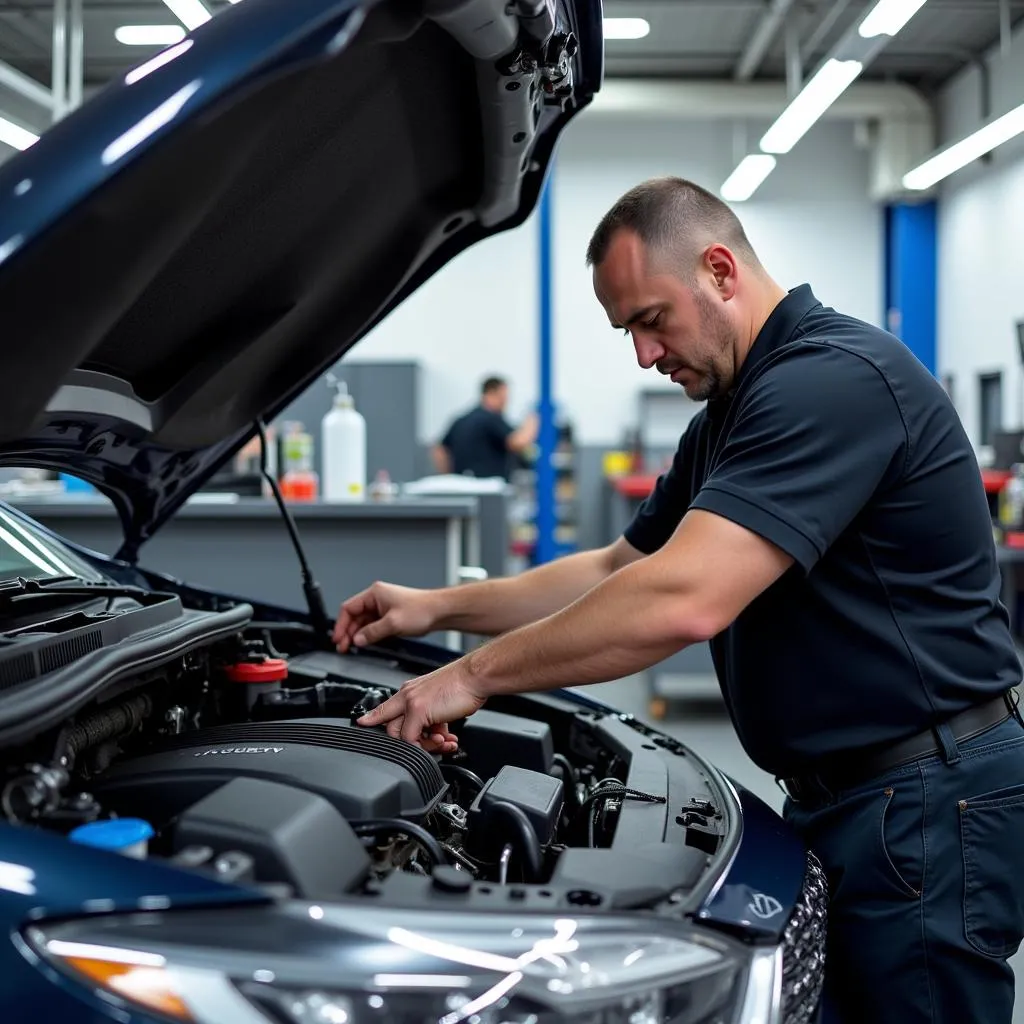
(270, 670)
(128, 836)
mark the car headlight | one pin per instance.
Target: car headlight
(293, 963)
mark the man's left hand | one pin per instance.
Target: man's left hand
(420, 712)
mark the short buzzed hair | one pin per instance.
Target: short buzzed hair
(669, 215)
(491, 384)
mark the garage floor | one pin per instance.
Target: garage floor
(704, 725)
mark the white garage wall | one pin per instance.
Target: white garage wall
(981, 247)
(811, 221)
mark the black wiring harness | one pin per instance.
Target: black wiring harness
(605, 790)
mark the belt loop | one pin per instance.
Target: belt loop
(947, 741)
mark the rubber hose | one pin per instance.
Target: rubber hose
(374, 826)
(464, 773)
(572, 797)
(529, 844)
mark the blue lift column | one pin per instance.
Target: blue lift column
(545, 550)
(911, 272)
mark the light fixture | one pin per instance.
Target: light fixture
(149, 35)
(821, 91)
(961, 153)
(16, 136)
(191, 13)
(887, 17)
(747, 178)
(626, 28)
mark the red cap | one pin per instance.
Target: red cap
(269, 670)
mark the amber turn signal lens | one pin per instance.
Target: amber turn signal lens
(143, 984)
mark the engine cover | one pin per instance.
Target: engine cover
(364, 773)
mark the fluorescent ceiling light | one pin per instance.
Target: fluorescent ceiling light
(747, 178)
(821, 91)
(191, 13)
(149, 35)
(961, 153)
(626, 28)
(887, 17)
(16, 136)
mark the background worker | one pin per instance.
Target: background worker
(481, 442)
(824, 526)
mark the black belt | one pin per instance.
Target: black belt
(861, 766)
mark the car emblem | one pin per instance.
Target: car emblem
(238, 750)
(765, 907)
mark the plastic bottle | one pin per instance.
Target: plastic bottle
(343, 446)
(299, 482)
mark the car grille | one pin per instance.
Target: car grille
(803, 949)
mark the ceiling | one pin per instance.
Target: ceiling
(688, 38)
(707, 38)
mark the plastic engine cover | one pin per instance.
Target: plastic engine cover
(364, 773)
(292, 836)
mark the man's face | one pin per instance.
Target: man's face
(680, 329)
(497, 398)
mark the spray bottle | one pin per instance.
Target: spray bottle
(343, 448)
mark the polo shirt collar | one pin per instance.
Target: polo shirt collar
(779, 328)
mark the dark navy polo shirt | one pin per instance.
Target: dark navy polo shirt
(478, 444)
(839, 447)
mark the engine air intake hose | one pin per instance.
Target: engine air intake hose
(110, 724)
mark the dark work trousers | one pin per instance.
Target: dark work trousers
(926, 878)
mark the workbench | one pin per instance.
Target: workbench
(242, 546)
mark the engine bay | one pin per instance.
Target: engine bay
(243, 757)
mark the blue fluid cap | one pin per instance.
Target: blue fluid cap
(120, 835)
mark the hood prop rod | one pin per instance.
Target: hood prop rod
(321, 623)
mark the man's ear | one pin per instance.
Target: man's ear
(723, 265)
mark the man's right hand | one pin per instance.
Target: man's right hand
(384, 610)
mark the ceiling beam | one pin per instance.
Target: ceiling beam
(25, 86)
(758, 44)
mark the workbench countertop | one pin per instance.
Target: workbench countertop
(260, 508)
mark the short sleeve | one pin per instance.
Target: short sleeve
(498, 430)
(662, 511)
(818, 433)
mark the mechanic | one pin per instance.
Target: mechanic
(824, 526)
(481, 442)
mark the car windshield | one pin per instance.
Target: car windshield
(28, 552)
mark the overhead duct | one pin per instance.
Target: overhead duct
(900, 120)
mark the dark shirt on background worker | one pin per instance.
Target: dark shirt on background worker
(481, 442)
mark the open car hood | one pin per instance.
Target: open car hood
(188, 251)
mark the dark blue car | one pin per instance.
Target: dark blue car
(191, 828)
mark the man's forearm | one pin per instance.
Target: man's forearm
(632, 620)
(497, 606)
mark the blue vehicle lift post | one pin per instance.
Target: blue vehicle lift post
(911, 270)
(546, 549)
